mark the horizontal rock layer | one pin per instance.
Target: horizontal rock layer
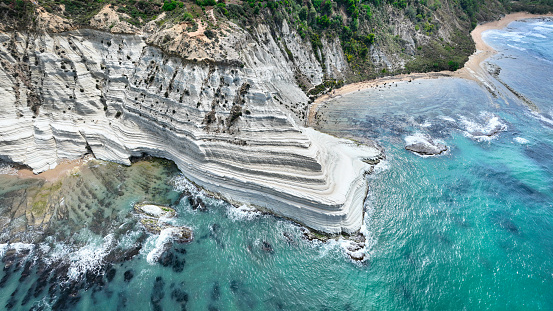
(224, 124)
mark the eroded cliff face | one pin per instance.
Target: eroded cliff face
(231, 120)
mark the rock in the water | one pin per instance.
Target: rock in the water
(267, 247)
(179, 234)
(183, 234)
(197, 203)
(128, 275)
(153, 210)
(491, 126)
(424, 145)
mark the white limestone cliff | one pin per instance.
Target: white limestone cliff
(231, 121)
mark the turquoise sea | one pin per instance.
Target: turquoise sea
(468, 230)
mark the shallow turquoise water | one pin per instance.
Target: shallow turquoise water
(472, 229)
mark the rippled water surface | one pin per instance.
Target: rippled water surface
(470, 229)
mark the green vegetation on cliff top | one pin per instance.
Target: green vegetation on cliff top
(359, 24)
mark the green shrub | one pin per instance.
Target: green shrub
(171, 5)
(203, 3)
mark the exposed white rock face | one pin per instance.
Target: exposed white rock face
(223, 124)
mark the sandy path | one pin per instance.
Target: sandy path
(471, 70)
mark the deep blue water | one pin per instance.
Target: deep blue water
(471, 229)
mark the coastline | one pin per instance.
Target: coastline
(471, 70)
(62, 169)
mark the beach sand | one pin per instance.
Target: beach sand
(64, 168)
(471, 70)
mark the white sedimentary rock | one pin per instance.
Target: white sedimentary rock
(225, 125)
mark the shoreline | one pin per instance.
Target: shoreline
(62, 169)
(470, 71)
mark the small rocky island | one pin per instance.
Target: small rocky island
(152, 218)
(424, 145)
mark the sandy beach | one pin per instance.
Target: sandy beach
(471, 70)
(64, 168)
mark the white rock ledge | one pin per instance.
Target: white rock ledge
(64, 95)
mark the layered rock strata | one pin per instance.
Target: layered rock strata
(230, 126)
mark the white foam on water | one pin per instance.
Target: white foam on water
(44, 248)
(543, 22)
(161, 244)
(544, 28)
(509, 35)
(89, 257)
(7, 169)
(488, 130)
(520, 140)
(416, 139)
(541, 117)
(242, 212)
(329, 247)
(382, 166)
(446, 118)
(516, 47)
(3, 249)
(180, 183)
(363, 252)
(128, 240)
(58, 252)
(18, 247)
(537, 35)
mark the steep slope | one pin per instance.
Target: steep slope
(221, 89)
(222, 123)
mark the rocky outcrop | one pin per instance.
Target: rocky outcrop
(153, 210)
(108, 19)
(232, 127)
(424, 145)
(153, 219)
(51, 22)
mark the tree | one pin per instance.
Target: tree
(303, 13)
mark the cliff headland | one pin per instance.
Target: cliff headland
(223, 90)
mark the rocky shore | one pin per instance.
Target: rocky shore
(229, 126)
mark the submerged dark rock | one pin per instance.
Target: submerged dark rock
(180, 250)
(197, 203)
(110, 274)
(215, 292)
(267, 247)
(5, 279)
(289, 238)
(179, 295)
(157, 293)
(178, 265)
(128, 275)
(234, 286)
(166, 259)
(503, 220)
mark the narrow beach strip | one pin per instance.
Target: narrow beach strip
(471, 70)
